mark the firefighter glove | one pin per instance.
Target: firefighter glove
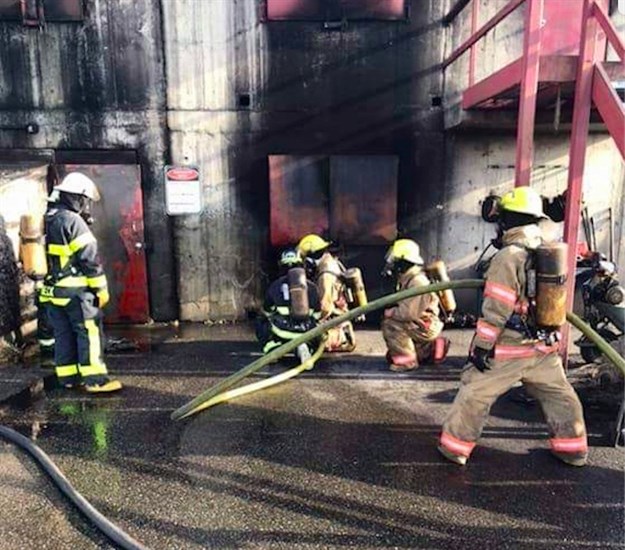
(102, 297)
(480, 358)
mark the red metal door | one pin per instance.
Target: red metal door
(119, 230)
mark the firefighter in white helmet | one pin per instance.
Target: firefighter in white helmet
(329, 275)
(76, 287)
(508, 349)
(281, 320)
(411, 328)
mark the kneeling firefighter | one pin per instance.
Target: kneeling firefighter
(291, 307)
(338, 287)
(412, 328)
(517, 338)
(75, 288)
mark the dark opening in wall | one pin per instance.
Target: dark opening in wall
(437, 101)
(336, 10)
(244, 101)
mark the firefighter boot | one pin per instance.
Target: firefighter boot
(572, 459)
(401, 363)
(452, 457)
(440, 349)
(433, 352)
(103, 384)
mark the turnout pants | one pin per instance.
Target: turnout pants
(79, 340)
(544, 378)
(45, 330)
(408, 342)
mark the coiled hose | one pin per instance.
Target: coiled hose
(200, 402)
(107, 527)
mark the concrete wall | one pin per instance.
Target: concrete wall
(96, 84)
(500, 47)
(482, 163)
(168, 79)
(366, 89)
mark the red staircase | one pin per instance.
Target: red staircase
(565, 58)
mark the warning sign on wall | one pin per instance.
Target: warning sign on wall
(183, 190)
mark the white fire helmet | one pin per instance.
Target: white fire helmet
(79, 184)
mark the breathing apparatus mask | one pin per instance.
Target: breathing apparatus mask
(311, 261)
(394, 268)
(77, 203)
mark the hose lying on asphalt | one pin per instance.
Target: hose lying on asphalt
(114, 533)
(229, 395)
(199, 403)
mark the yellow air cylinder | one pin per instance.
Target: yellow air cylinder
(551, 276)
(437, 273)
(32, 249)
(298, 291)
(355, 283)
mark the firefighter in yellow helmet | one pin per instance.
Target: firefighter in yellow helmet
(411, 328)
(329, 275)
(76, 287)
(508, 347)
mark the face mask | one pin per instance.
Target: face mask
(85, 211)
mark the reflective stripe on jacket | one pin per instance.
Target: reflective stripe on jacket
(72, 255)
(505, 293)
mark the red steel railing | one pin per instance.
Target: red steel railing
(592, 85)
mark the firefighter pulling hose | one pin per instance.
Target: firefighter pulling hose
(517, 338)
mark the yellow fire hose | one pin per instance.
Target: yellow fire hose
(604, 346)
(229, 395)
(200, 402)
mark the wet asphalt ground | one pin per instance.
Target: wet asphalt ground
(343, 456)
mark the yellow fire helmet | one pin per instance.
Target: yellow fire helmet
(523, 200)
(404, 249)
(311, 244)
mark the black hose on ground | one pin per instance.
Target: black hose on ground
(107, 527)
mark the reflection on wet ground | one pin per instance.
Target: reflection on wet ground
(343, 456)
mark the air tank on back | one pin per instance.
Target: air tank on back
(551, 277)
(32, 250)
(298, 291)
